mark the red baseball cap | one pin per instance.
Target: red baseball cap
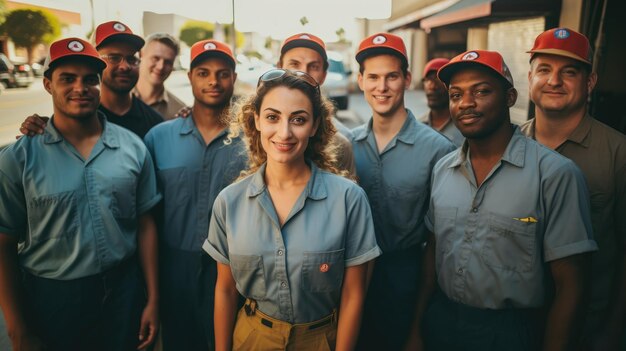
(305, 40)
(490, 59)
(207, 48)
(563, 42)
(434, 65)
(380, 44)
(72, 47)
(116, 31)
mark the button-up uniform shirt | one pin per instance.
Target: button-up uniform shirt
(294, 272)
(75, 217)
(397, 180)
(449, 130)
(600, 152)
(493, 240)
(191, 174)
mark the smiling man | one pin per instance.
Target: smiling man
(158, 56)
(193, 165)
(511, 227)
(560, 81)
(78, 245)
(394, 155)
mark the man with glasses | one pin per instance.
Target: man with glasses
(78, 245)
(438, 117)
(157, 62)
(118, 47)
(394, 156)
(193, 165)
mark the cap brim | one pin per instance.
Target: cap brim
(304, 43)
(559, 52)
(213, 53)
(98, 63)
(446, 72)
(376, 51)
(133, 39)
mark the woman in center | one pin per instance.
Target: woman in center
(292, 236)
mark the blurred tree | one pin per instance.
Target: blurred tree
(28, 27)
(193, 31)
(239, 37)
(3, 11)
(56, 25)
(341, 35)
(304, 21)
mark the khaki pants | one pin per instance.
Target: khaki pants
(255, 330)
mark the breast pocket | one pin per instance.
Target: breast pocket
(509, 244)
(124, 198)
(175, 184)
(249, 275)
(402, 207)
(323, 271)
(53, 216)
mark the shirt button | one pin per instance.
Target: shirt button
(460, 271)
(283, 284)
(280, 252)
(475, 209)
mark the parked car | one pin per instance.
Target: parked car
(337, 81)
(15, 75)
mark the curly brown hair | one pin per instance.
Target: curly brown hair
(321, 148)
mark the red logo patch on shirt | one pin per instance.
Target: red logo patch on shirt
(324, 267)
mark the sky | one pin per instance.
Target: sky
(275, 18)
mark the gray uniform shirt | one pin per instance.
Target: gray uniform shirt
(294, 272)
(449, 130)
(493, 241)
(397, 180)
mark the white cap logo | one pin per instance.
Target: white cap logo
(304, 36)
(209, 46)
(119, 27)
(561, 33)
(379, 39)
(470, 56)
(75, 46)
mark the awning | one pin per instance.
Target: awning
(466, 10)
(463, 10)
(412, 17)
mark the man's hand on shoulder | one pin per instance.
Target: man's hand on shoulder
(33, 125)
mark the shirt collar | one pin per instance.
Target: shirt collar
(163, 98)
(407, 134)
(580, 133)
(188, 125)
(515, 151)
(109, 138)
(315, 188)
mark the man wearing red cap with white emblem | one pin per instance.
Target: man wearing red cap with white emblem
(394, 155)
(438, 117)
(560, 82)
(506, 217)
(78, 244)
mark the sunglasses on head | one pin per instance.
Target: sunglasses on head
(279, 72)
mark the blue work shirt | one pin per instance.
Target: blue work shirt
(75, 217)
(397, 180)
(190, 175)
(294, 272)
(494, 239)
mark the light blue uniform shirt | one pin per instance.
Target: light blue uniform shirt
(294, 272)
(397, 180)
(74, 217)
(493, 241)
(191, 174)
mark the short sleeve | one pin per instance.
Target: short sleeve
(13, 215)
(361, 243)
(216, 244)
(568, 219)
(147, 194)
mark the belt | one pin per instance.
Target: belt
(250, 307)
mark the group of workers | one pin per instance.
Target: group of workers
(266, 224)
